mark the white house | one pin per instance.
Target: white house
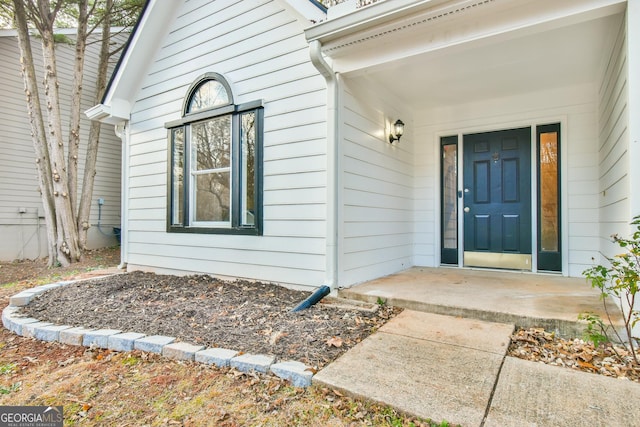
(22, 225)
(259, 136)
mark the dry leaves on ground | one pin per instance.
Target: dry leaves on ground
(100, 387)
(537, 345)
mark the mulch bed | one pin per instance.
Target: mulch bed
(250, 317)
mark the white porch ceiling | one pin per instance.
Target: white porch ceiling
(496, 67)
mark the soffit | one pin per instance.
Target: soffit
(562, 57)
(458, 52)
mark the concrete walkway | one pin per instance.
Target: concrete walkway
(456, 369)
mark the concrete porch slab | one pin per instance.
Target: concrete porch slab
(408, 365)
(524, 299)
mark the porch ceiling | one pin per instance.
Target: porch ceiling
(497, 68)
(435, 53)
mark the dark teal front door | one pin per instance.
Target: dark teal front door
(497, 199)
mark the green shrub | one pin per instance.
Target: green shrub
(618, 281)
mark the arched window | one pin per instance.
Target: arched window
(209, 91)
(215, 183)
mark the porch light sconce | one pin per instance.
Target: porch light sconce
(397, 131)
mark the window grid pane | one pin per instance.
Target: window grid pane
(212, 198)
(212, 144)
(211, 171)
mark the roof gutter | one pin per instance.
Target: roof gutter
(114, 113)
(331, 270)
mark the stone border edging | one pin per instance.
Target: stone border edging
(297, 373)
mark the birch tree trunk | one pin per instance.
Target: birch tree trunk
(37, 128)
(67, 240)
(76, 93)
(67, 236)
(91, 159)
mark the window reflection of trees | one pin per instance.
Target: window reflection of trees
(213, 197)
(248, 153)
(209, 94)
(549, 191)
(178, 176)
(449, 188)
(212, 144)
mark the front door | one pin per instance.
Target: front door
(497, 199)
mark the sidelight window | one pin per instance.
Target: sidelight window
(449, 208)
(548, 139)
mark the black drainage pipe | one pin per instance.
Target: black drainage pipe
(320, 293)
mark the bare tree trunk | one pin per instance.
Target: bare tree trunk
(76, 92)
(37, 129)
(67, 238)
(57, 165)
(88, 180)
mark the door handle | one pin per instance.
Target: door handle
(466, 209)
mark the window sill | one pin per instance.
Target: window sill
(244, 231)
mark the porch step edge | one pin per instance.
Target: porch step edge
(563, 328)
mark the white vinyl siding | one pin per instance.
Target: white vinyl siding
(261, 51)
(613, 148)
(377, 189)
(24, 234)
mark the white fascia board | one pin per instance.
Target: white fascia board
(366, 17)
(448, 26)
(150, 33)
(388, 13)
(308, 10)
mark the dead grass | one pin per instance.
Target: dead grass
(100, 387)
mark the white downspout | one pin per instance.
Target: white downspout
(121, 131)
(331, 273)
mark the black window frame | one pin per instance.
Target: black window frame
(236, 111)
